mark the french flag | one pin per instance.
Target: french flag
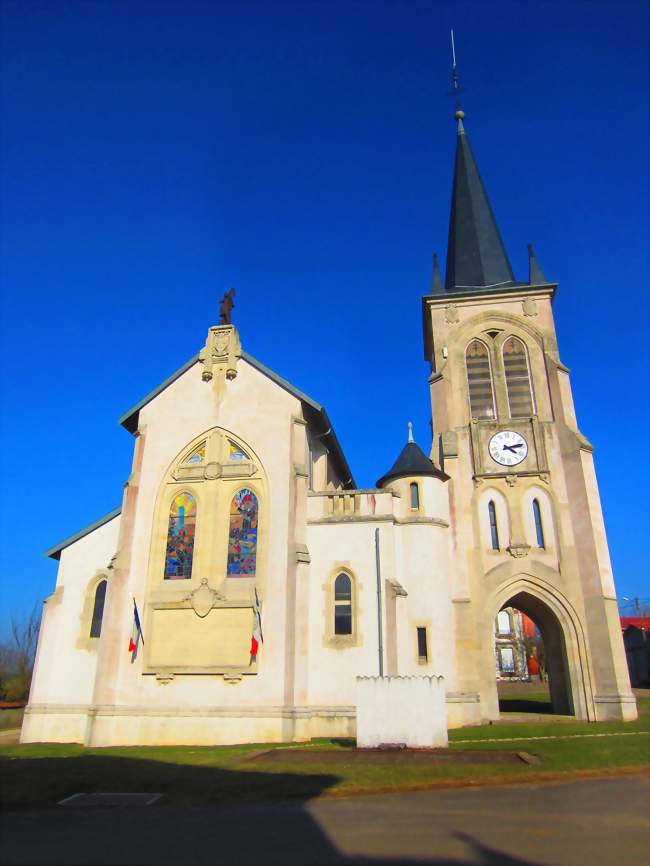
(257, 637)
(136, 634)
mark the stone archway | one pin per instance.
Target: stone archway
(567, 666)
(555, 648)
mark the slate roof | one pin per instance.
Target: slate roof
(411, 461)
(476, 255)
(55, 552)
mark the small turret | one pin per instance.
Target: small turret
(411, 462)
(535, 274)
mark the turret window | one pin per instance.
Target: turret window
(518, 383)
(479, 380)
(494, 530)
(539, 528)
(415, 496)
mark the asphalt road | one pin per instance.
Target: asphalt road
(581, 823)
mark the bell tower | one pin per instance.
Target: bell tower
(526, 522)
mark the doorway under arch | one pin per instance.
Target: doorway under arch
(555, 649)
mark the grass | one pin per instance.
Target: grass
(39, 775)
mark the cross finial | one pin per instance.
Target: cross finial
(410, 434)
(226, 307)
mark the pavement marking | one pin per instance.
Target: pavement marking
(552, 737)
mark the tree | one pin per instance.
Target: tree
(17, 657)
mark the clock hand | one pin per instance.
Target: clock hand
(512, 447)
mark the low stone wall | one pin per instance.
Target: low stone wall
(401, 710)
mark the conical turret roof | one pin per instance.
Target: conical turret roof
(411, 461)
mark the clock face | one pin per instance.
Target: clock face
(508, 448)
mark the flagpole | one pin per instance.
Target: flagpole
(139, 623)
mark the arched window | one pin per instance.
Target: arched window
(343, 604)
(242, 535)
(98, 609)
(503, 623)
(517, 370)
(494, 532)
(180, 538)
(539, 529)
(415, 495)
(479, 380)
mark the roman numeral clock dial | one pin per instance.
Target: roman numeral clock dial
(508, 448)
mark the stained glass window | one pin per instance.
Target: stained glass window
(343, 605)
(235, 453)
(98, 609)
(198, 455)
(520, 391)
(479, 379)
(180, 538)
(242, 537)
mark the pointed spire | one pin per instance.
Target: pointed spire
(437, 287)
(535, 274)
(410, 434)
(476, 255)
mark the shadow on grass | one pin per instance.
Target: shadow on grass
(245, 828)
(521, 705)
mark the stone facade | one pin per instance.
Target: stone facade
(404, 580)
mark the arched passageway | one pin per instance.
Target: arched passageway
(552, 652)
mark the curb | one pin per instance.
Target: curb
(491, 782)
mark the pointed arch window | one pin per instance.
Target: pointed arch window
(180, 538)
(242, 534)
(98, 609)
(343, 604)
(518, 382)
(197, 456)
(539, 528)
(494, 530)
(479, 380)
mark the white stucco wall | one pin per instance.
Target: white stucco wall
(64, 672)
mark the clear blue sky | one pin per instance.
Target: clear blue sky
(156, 153)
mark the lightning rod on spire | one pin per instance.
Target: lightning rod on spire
(456, 89)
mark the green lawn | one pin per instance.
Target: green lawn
(37, 776)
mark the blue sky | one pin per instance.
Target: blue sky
(156, 153)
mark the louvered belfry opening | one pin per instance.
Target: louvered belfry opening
(520, 392)
(479, 379)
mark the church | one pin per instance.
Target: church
(246, 582)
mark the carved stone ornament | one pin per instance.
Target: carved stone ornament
(222, 350)
(518, 549)
(511, 480)
(451, 314)
(529, 307)
(203, 599)
(212, 471)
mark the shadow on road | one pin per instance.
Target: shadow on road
(208, 815)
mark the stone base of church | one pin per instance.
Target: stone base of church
(139, 726)
(144, 726)
(615, 708)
